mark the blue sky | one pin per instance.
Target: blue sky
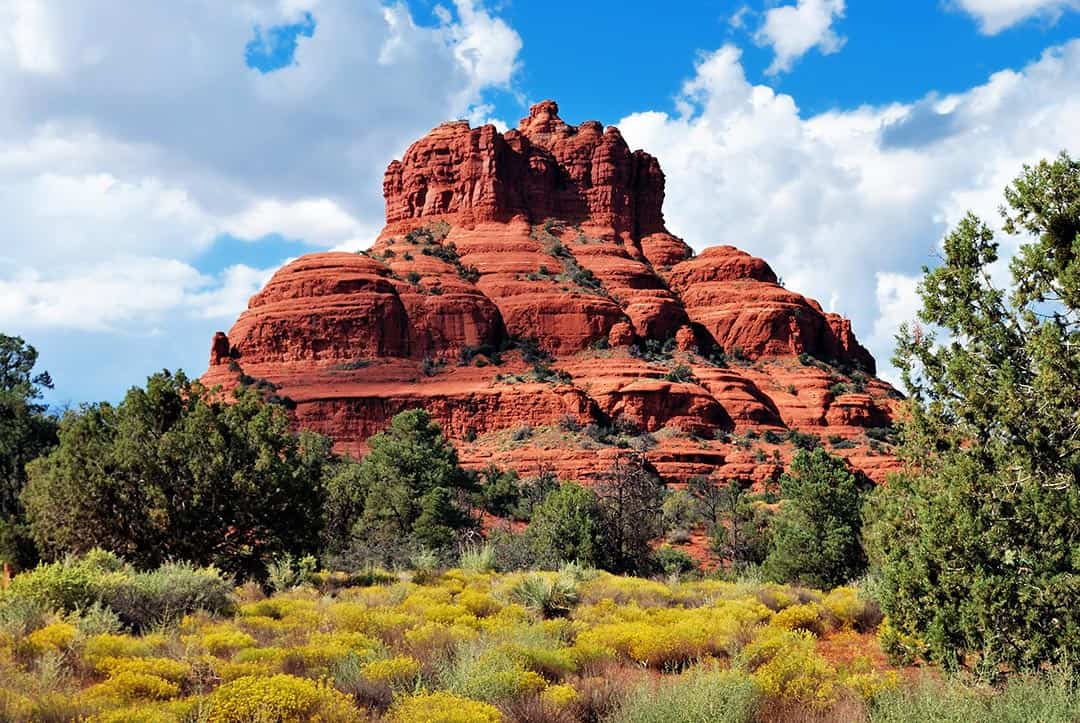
(159, 161)
(622, 57)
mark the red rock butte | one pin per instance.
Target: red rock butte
(526, 292)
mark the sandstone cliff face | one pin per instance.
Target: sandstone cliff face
(526, 292)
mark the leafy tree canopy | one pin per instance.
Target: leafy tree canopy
(816, 530)
(565, 527)
(175, 473)
(977, 543)
(26, 432)
(413, 487)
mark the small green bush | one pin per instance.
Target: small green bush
(694, 697)
(1051, 697)
(549, 595)
(681, 373)
(674, 561)
(139, 599)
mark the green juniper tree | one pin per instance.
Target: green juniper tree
(414, 490)
(175, 473)
(26, 432)
(977, 542)
(566, 527)
(815, 533)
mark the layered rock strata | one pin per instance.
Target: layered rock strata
(526, 291)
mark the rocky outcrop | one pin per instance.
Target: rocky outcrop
(526, 291)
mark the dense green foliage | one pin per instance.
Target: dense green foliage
(26, 432)
(174, 473)
(500, 492)
(408, 493)
(138, 599)
(566, 527)
(977, 543)
(815, 533)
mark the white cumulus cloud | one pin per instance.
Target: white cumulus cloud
(849, 205)
(133, 136)
(151, 136)
(993, 16)
(793, 30)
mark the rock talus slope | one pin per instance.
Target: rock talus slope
(526, 291)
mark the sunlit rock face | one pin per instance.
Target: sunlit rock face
(527, 293)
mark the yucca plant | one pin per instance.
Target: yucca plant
(551, 596)
(477, 558)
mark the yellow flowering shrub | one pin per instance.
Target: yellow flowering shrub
(270, 654)
(129, 685)
(871, 683)
(282, 698)
(508, 618)
(275, 657)
(624, 590)
(421, 597)
(440, 612)
(480, 604)
(775, 596)
(608, 611)
(379, 622)
(223, 641)
(288, 613)
(262, 625)
(785, 665)
(167, 668)
(396, 671)
(807, 616)
(700, 592)
(109, 645)
(769, 642)
(845, 606)
(185, 709)
(583, 653)
(230, 670)
(442, 707)
(559, 696)
(434, 636)
(57, 636)
(498, 685)
(672, 637)
(324, 649)
(798, 674)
